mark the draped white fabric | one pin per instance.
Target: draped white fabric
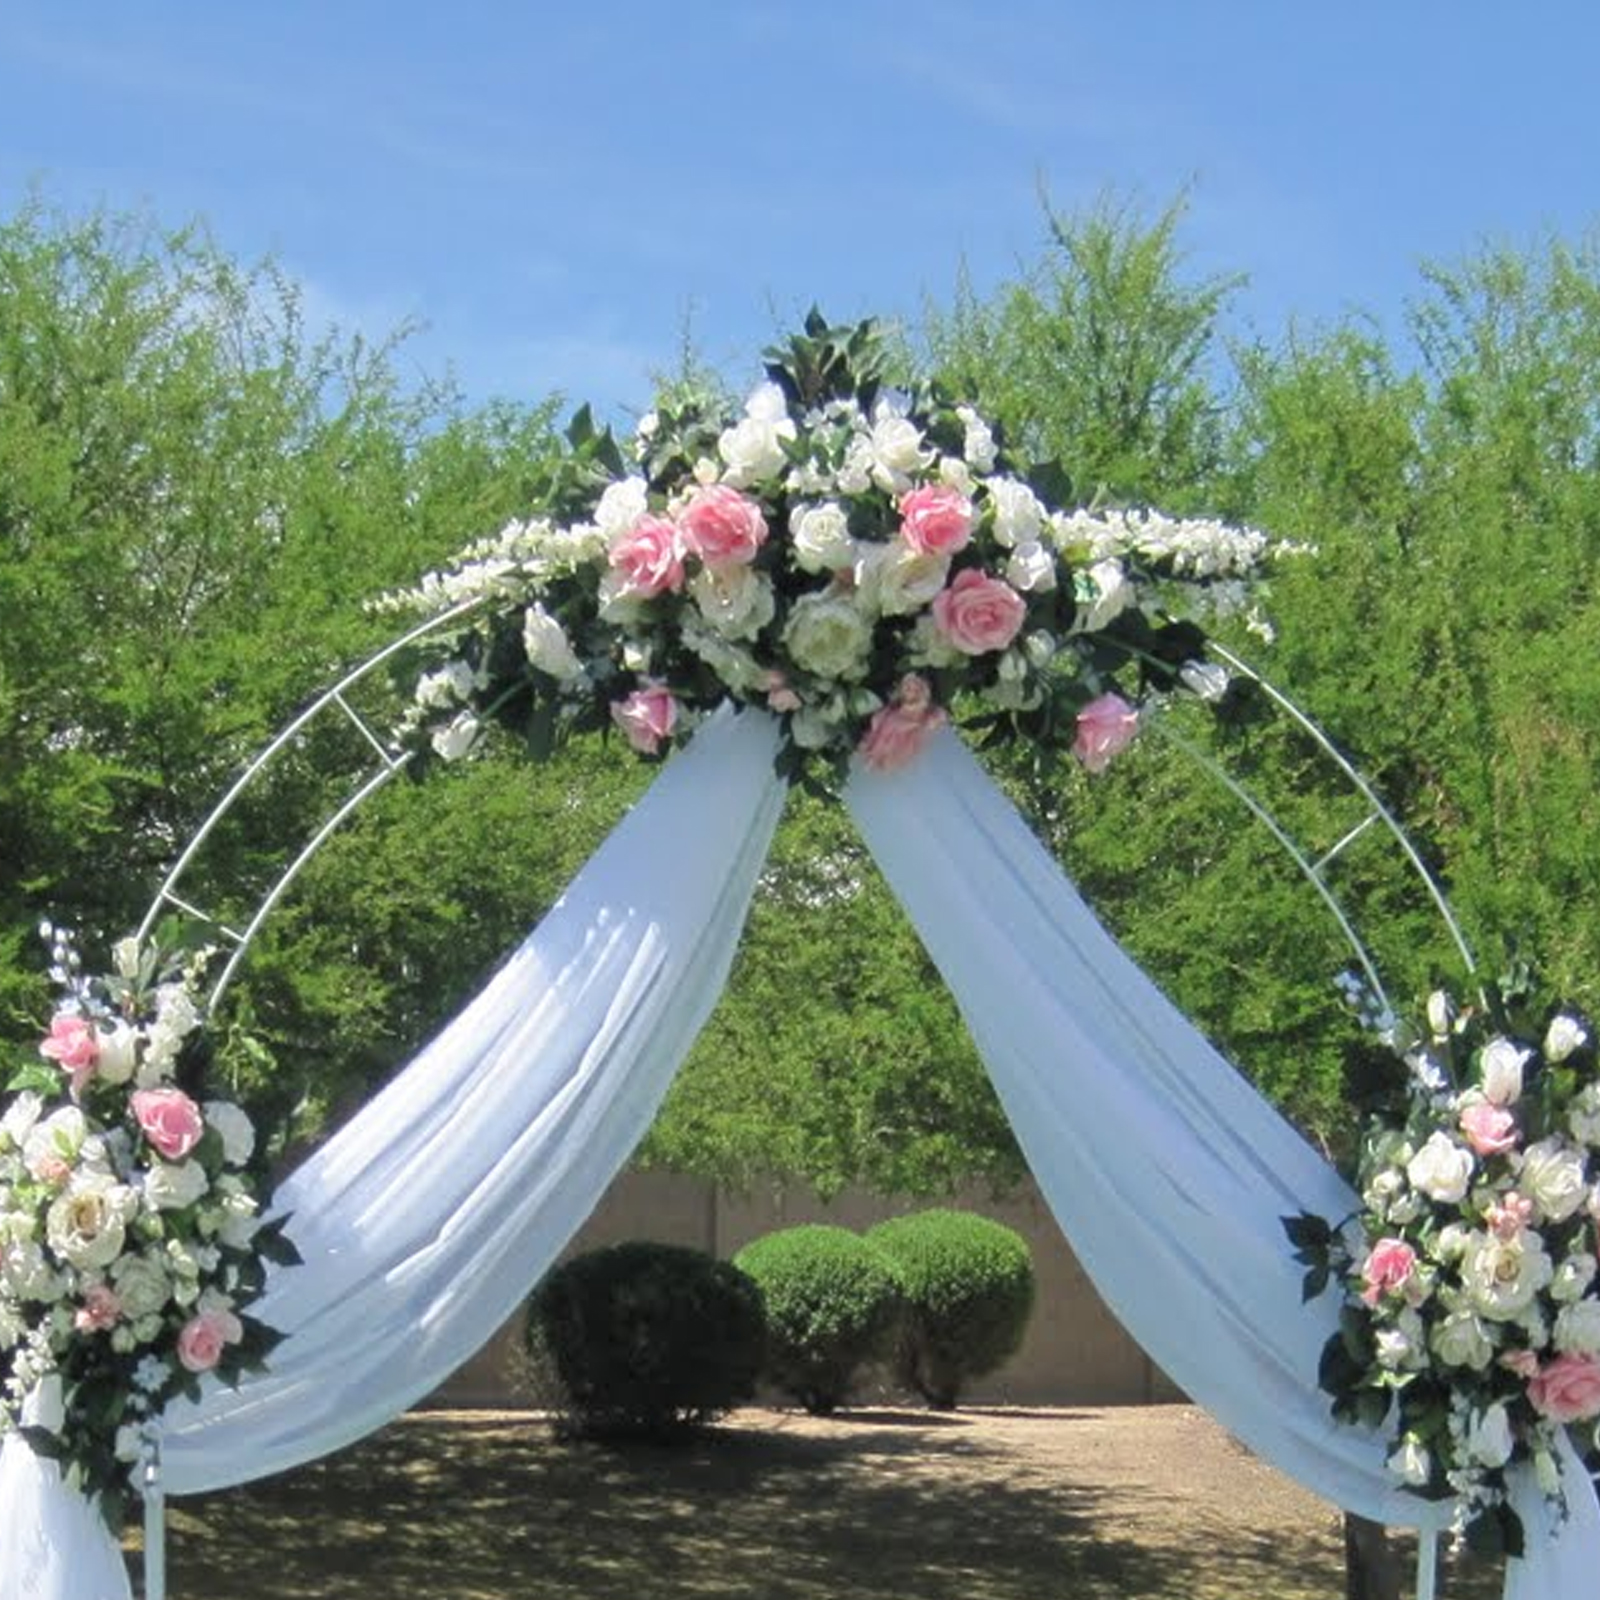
(426, 1221)
(1166, 1170)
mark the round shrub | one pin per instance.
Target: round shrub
(968, 1287)
(643, 1340)
(832, 1304)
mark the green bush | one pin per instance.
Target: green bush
(643, 1340)
(968, 1288)
(832, 1306)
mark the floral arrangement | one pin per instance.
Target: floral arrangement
(1471, 1316)
(863, 562)
(131, 1238)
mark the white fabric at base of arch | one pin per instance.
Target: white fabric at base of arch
(426, 1221)
(1166, 1170)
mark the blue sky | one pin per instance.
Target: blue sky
(557, 191)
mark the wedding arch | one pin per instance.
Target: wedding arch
(424, 1222)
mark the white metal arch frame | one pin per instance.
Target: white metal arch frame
(386, 760)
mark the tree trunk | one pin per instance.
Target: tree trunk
(1371, 1570)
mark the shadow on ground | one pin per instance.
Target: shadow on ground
(889, 1507)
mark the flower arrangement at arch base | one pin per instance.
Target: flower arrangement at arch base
(1470, 1323)
(131, 1236)
(866, 563)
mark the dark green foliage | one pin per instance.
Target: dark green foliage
(968, 1287)
(643, 1340)
(832, 1306)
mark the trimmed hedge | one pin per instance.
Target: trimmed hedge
(644, 1340)
(832, 1307)
(968, 1287)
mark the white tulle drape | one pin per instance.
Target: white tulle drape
(427, 1220)
(1166, 1170)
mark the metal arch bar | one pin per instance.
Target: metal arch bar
(378, 779)
(1349, 839)
(164, 895)
(1344, 765)
(202, 916)
(385, 754)
(1278, 832)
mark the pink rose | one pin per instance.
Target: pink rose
(899, 730)
(1522, 1362)
(1567, 1389)
(647, 557)
(936, 520)
(204, 1337)
(647, 717)
(51, 1169)
(1491, 1130)
(978, 613)
(723, 527)
(1105, 728)
(1509, 1215)
(99, 1311)
(780, 697)
(1389, 1265)
(74, 1047)
(170, 1120)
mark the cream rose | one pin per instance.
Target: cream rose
(1441, 1169)
(826, 635)
(1502, 1276)
(1552, 1177)
(821, 538)
(86, 1224)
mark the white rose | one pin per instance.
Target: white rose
(737, 601)
(19, 1120)
(1018, 515)
(977, 443)
(1583, 1114)
(1564, 1035)
(621, 505)
(855, 471)
(1500, 1067)
(894, 580)
(753, 447)
(1573, 1278)
(87, 1222)
(1577, 1329)
(821, 535)
(1113, 594)
(1031, 568)
(957, 474)
(61, 1135)
(896, 450)
(1489, 1440)
(547, 646)
(141, 1286)
(169, 1187)
(238, 1133)
(125, 957)
(457, 738)
(826, 635)
(1552, 1177)
(118, 1053)
(1441, 1169)
(732, 663)
(239, 1222)
(1394, 1350)
(1461, 1340)
(447, 686)
(1440, 1014)
(1501, 1276)
(1410, 1462)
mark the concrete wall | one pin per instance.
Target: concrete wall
(1075, 1352)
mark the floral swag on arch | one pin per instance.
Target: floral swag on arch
(859, 570)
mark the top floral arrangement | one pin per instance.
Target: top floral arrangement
(862, 562)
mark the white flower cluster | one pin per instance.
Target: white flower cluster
(128, 1222)
(1476, 1267)
(850, 565)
